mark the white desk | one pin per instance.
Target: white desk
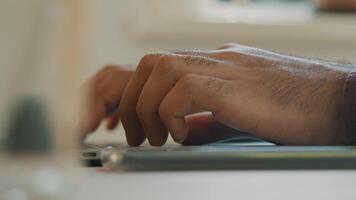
(209, 185)
(291, 185)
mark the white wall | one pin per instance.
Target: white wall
(112, 40)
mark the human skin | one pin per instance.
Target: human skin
(341, 5)
(280, 98)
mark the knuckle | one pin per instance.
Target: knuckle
(187, 83)
(162, 63)
(146, 63)
(142, 68)
(189, 79)
(163, 67)
(165, 59)
(147, 58)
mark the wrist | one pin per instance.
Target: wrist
(350, 107)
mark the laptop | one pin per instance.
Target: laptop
(239, 153)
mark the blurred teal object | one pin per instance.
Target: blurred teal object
(270, 1)
(277, 1)
(29, 130)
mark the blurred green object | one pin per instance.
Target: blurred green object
(28, 130)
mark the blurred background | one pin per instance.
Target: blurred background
(48, 48)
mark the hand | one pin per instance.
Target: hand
(103, 94)
(102, 97)
(279, 98)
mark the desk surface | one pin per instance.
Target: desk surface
(325, 185)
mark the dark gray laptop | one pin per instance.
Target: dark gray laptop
(240, 153)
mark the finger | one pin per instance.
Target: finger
(113, 120)
(165, 74)
(204, 128)
(108, 89)
(92, 120)
(127, 109)
(195, 93)
(93, 113)
(103, 95)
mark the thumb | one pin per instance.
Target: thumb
(204, 128)
(193, 94)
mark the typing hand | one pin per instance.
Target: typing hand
(104, 92)
(279, 98)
